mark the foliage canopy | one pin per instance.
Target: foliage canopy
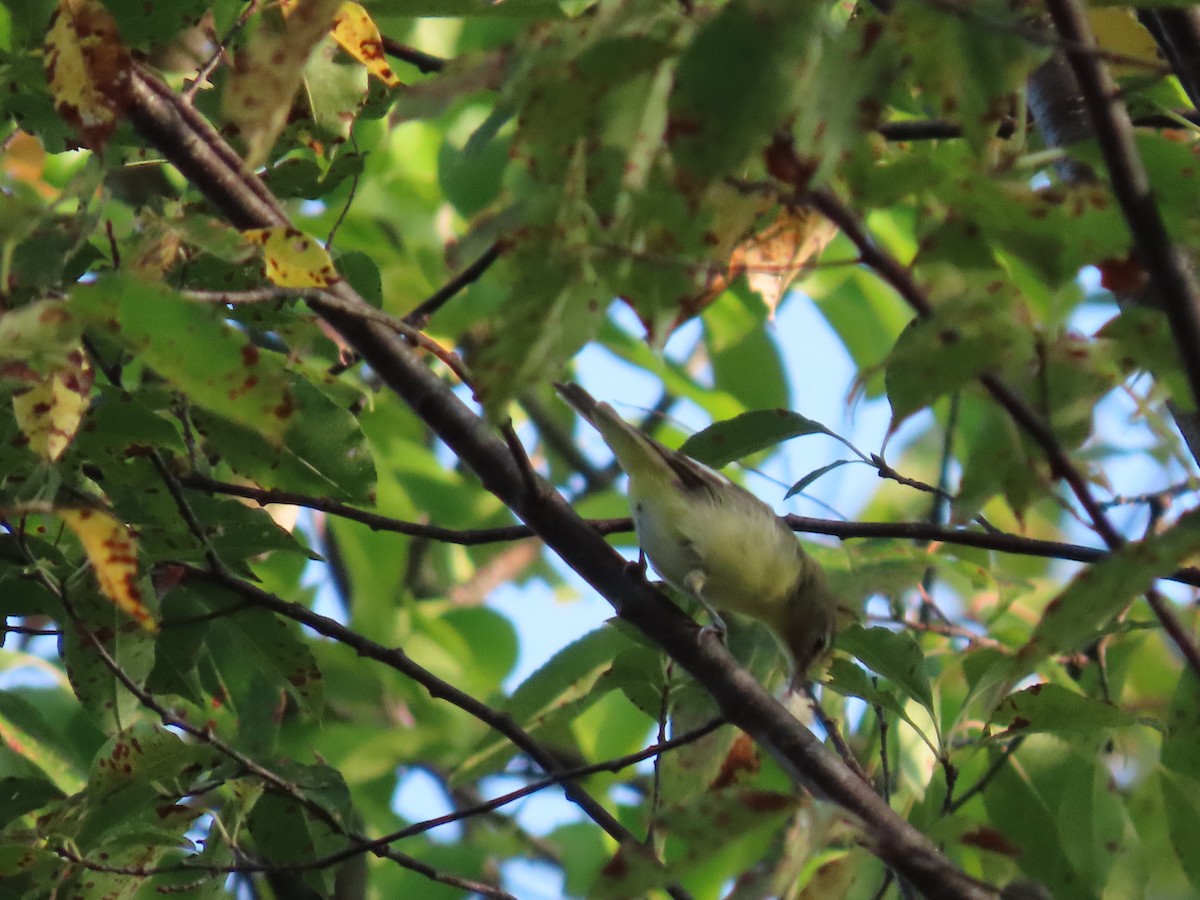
(314, 256)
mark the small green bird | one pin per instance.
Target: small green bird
(715, 541)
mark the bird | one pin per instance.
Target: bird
(713, 540)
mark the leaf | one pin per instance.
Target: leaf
(773, 258)
(737, 81)
(893, 654)
(324, 451)
(88, 68)
(356, 32)
(268, 71)
(293, 259)
(112, 553)
(285, 832)
(1104, 588)
(1181, 801)
(812, 476)
(1055, 709)
(49, 410)
(711, 821)
(568, 683)
(723, 442)
(961, 341)
(214, 364)
(964, 69)
(44, 334)
(1181, 743)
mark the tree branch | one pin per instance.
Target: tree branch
(1169, 273)
(738, 695)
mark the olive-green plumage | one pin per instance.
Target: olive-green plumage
(715, 541)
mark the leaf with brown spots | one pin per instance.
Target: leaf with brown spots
(88, 69)
(293, 259)
(188, 345)
(268, 72)
(50, 409)
(358, 35)
(112, 553)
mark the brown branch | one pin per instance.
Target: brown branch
(424, 62)
(1000, 542)
(1174, 285)
(420, 316)
(740, 698)
(466, 812)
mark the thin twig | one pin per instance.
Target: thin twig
(953, 806)
(424, 62)
(420, 316)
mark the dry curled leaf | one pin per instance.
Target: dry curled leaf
(88, 69)
(774, 257)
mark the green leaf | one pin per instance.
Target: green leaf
(19, 796)
(941, 354)
(813, 476)
(1103, 589)
(1055, 709)
(964, 68)
(130, 647)
(709, 822)
(1181, 743)
(185, 343)
(1181, 800)
(568, 683)
(893, 654)
(285, 832)
(324, 451)
(736, 83)
(723, 442)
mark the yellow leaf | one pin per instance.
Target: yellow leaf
(293, 259)
(88, 69)
(268, 72)
(48, 410)
(356, 32)
(1118, 30)
(112, 552)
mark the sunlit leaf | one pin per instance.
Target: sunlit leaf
(268, 72)
(88, 68)
(357, 33)
(49, 410)
(293, 259)
(112, 553)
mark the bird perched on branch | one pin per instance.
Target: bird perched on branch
(715, 541)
